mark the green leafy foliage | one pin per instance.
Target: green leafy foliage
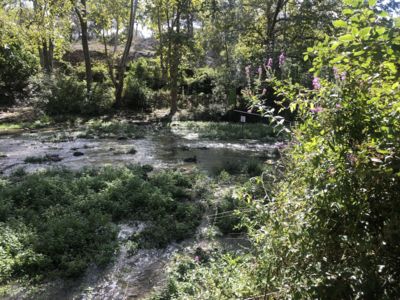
(208, 276)
(330, 230)
(327, 225)
(202, 81)
(60, 94)
(136, 95)
(113, 128)
(58, 222)
(17, 65)
(142, 79)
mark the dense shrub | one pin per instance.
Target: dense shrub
(338, 205)
(16, 66)
(328, 227)
(202, 81)
(58, 222)
(220, 276)
(228, 217)
(100, 100)
(60, 94)
(99, 70)
(148, 71)
(136, 93)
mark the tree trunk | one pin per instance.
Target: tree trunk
(82, 15)
(161, 47)
(175, 66)
(272, 19)
(46, 55)
(124, 59)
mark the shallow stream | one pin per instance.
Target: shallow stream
(161, 149)
(130, 276)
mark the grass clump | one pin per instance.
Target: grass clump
(251, 167)
(112, 129)
(219, 272)
(57, 222)
(229, 214)
(8, 126)
(36, 160)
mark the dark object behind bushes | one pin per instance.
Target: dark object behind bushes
(16, 66)
(58, 222)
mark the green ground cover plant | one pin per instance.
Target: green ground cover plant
(57, 222)
(112, 128)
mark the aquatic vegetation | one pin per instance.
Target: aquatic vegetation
(228, 131)
(57, 222)
(111, 129)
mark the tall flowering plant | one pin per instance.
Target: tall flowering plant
(330, 230)
(258, 89)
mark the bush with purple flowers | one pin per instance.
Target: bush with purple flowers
(328, 226)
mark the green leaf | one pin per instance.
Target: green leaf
(358, 53)
(346, 38)
(372, 2)
(336, 60)
(335, 45)
(380, 30)
(339, 23)
(397, 22)
(391, 66)
(365, 32)
(352, 3)
(347, 11)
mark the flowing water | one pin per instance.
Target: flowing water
(161, 149)
(130, 276)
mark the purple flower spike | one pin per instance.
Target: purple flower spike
(316, 84)
(260, 71)
(336, 73)
(317, 109)
(269, 64)
(343, 76)
(282, 59)
(338, 106)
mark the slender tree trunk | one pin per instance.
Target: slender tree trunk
(82, 15)
(124, 59)
(175, 66)
(46, 55)
(161, 47)
(169, 50)
(272, 19)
